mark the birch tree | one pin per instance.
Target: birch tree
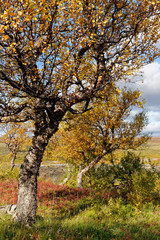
(85, 140)
(16, 138)
(55, 54)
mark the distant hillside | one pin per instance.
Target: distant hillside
(152, 149)
(155, 140)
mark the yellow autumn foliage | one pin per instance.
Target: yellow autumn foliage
(101, 130)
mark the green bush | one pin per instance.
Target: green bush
(144, 186)
(129, 179)
(6, 173)
(107, 176)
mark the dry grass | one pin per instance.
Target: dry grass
(152, 149)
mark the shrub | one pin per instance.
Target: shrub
(129, 179)
(107, 176)
(144, 187)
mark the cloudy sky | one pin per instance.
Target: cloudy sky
(151, 93)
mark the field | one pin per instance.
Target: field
(67, 213)
(149, 152)
(152, 149)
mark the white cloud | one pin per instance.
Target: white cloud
(151, 78)
(154, 123)
(149, 85)
(151, 93)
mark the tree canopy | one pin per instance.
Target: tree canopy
(84, 140)
(59, 53)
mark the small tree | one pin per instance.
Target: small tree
(86, 139)
(16, 138)
(55, 54)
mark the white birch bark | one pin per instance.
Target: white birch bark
(86, 169)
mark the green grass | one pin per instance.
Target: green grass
(72, 214)
(114, 220)
(88, 217)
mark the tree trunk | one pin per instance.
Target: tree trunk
(86, 169)
(13, 160)
(79, 179)
(27, 186)
(68, 175)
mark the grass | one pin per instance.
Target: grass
(148, 152)
(112, 221)
(152, 149)
(65, 213)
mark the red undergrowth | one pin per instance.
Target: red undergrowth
(49, 194)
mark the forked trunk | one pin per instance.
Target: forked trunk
(27, 186)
